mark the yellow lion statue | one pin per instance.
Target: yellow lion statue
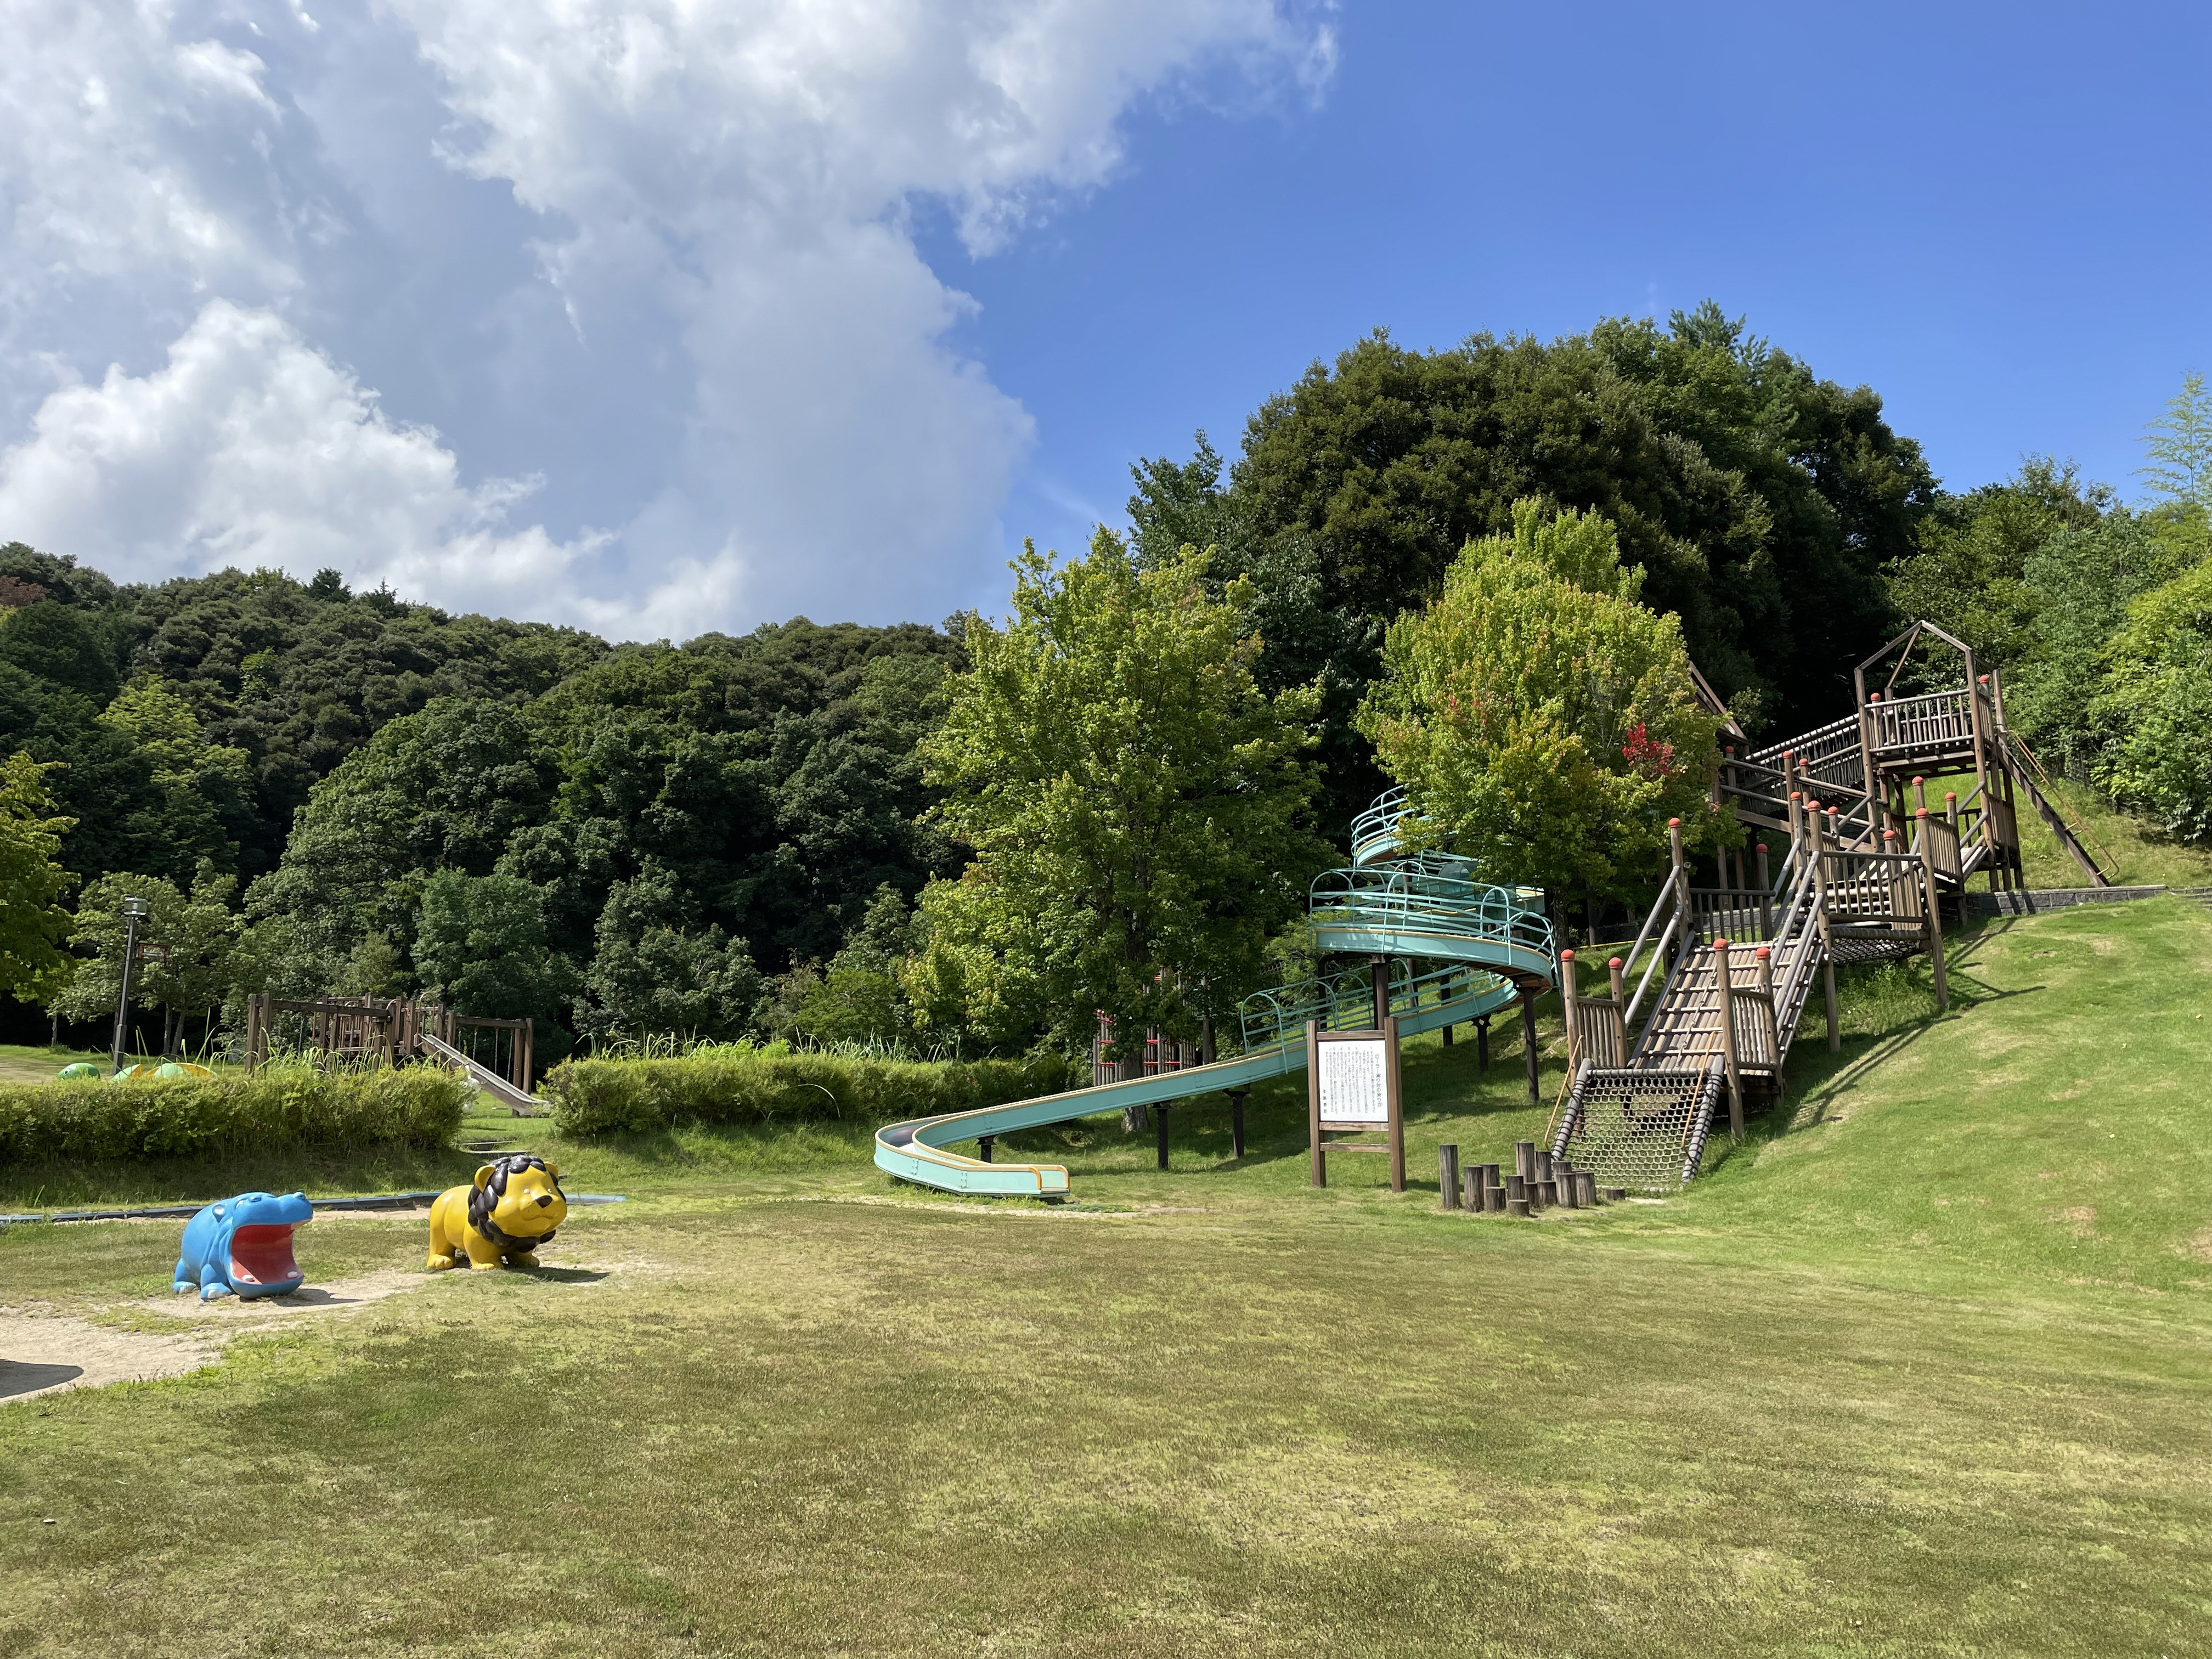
(512, 1208)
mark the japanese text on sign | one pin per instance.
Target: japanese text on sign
(1354, 1083)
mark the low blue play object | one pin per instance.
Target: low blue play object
(243, 1247)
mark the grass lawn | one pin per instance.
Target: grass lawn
(1923, 1366)
(29, 1063)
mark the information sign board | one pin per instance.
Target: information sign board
(1352, 1082)
(1355, 1083)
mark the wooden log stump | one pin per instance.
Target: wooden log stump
(1494, 1200)
(1448, 1175)
(1524, 1159)
(1517, 1189)
(1472, 1189)
(1518, 1207)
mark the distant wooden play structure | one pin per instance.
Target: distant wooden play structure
(1864, 874)
(391, 1031)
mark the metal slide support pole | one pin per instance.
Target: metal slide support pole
(1237, 1121)
(1160, 1121)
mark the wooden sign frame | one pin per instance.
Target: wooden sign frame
(1393, 1096)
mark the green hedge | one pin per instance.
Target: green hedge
(738, 1085)
(281, 1106)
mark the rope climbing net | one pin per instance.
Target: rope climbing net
(1640, 1129)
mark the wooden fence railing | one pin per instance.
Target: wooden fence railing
(385, 1030)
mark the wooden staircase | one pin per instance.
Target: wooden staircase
(1727, 970)
(1739, 966)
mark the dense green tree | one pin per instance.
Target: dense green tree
(1969, 572)
(33, 923)
(1762, 501)
(2075, 589)
(294, 675)
(653, 973)
(442, 790)
(480, 947)
(190, 936)
(857, 997)
(1138, 806)
(53, 643)
(1544, 722)
(2178, 445)
(2155, 702)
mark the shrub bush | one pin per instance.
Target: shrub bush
(280, 1106)
(740, 1084)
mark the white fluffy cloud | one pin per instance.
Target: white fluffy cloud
(757, 393)
(250, 448)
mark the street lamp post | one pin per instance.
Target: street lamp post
(133, 911)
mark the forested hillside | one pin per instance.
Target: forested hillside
(318, 790)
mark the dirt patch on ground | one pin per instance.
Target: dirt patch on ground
(42, 1356)
(43, 1353)
(2081, 1218)
(335, 1297)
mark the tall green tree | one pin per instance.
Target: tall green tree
(1968, 570)
(653, 974)
(1137, 804)
(1761, 501)
(33, 923)
(2155, 705)
(480, 948)
(1543, 722)
(189, 937)
(2179, 446)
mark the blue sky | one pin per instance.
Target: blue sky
(1998, 217)
(660, 317)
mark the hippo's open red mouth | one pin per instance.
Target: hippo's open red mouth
(262, 1255)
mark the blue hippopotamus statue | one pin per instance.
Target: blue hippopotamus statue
(243, 1247)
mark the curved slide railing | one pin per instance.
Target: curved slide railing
(1490, 941)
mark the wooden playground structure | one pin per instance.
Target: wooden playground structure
(496, 1055)
(1723, 974)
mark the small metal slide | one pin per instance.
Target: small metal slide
(1489, 941)
(523, 1104)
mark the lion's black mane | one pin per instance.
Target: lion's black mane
(483, 1199)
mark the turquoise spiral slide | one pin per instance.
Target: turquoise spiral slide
(1486, 944)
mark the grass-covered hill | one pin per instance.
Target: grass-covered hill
(1921, 1367)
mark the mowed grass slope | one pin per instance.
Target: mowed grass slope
(1874, 1387)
